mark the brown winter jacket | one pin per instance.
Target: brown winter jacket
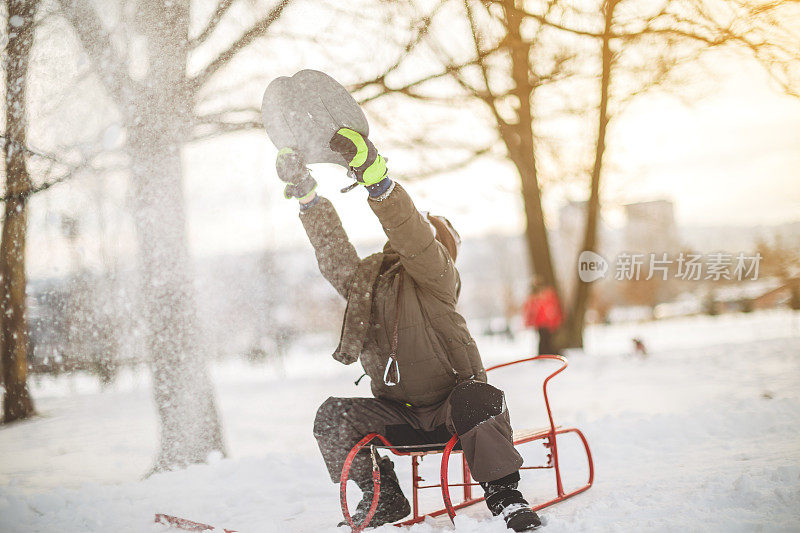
(435, 350)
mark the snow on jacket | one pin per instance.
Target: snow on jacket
(542, 310)
(435, 350)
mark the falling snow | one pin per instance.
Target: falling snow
(702, 435)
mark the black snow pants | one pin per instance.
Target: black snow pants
(475, 410)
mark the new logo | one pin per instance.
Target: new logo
(591, 266)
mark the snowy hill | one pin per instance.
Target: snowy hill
(700, 436)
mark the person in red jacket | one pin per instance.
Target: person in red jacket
(542, 311)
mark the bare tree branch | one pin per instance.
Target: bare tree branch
(455, 70)
(625, 36)
(423, 25)
(220, 127)
(490, 99)
(257, 30)
(39, 188)
(217, 116)
(96, 42)
(69, 170)
(222, 7)
(545, 22)
(380, 81)
(457, 165)
(30, 151)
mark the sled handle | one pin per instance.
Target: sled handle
(563, 366)
(535, 358)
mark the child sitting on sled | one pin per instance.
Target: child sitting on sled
(428, 380)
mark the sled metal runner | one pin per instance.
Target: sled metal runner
(547, 436)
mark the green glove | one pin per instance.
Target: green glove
(291, 170)
(366, 164)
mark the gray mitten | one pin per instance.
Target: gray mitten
(290, 168)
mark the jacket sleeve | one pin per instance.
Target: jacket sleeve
(336, 256)
(424, 258)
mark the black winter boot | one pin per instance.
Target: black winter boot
(392, 504)
(503, 498)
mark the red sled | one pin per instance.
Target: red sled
(547, 436)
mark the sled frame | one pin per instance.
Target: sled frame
(547, 436)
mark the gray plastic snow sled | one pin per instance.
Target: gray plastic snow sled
(303, 112)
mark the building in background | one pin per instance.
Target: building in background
(651, 228)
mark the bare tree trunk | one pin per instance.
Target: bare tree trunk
(190, 427)
(17, 402)
(518, 139)
(573, 329)
(158, 113)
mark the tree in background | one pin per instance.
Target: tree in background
(640, 49)
(92, 322)
(17, 402)
(28, 172)
(530, 64)
(491, 54)
(141, 51)
(781, 259)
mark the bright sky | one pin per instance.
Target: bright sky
(732, 158)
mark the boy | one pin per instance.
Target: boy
(428, 380)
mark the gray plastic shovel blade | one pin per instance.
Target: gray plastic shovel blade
(305, 110)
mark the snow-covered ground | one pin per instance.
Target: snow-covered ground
(703, 435)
